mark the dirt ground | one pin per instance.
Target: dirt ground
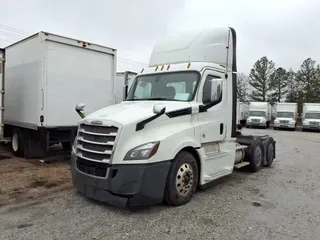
(24, 180)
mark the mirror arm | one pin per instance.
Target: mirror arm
(140, 125)
(205, 107)
(82, 115)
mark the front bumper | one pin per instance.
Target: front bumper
(311, 127)
(284, 125)
(125, 185)
(256, 124)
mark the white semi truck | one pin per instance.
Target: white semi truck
(311, 116)
(285, 116)
(242, 113)
(259, 114)
(181, 133)
(45, 76)
(122, 84)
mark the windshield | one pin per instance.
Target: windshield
(257, 114)
(285, 114)
(312, 116)
(179, 86)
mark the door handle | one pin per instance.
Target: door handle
(221, 128)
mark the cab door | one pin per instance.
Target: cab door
(212, 112)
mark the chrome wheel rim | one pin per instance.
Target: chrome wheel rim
(184, 179)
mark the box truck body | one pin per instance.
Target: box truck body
(286, 115)
(123, 83)
(46, 75)
(242, 112)
(311, 116)
(259, 114)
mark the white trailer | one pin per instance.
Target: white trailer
(242, 113)
(46, 75)
(259, 114)
(311, 116)
(122, 85)
(286, 115)
(181, 133)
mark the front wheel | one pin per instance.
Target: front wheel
(182, 180)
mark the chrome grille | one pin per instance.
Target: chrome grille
(95, 143)
(314, 123)
(284, 121)
(255, 120)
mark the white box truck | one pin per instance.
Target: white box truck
(259, 114)
(46, 75)
(285, 115)
(242, 113)
(123, 83)
(311, 116)
(2, 74)
(181, 133)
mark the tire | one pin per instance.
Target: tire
(16, 143)
(269, 152)
(66, 146)
(176, 194)
(256, 156)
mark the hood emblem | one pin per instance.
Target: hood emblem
(96, 122)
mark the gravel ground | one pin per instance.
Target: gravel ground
(281, 202)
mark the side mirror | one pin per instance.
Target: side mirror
(159, 109)
(216, 89)
(79, 108)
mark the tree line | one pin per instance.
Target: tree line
(268, 83)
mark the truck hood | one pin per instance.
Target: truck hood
(283, 118)
(133, 111)
(312, 120)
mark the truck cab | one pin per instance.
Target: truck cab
(175, 132)
(259, 114)
(311, 116)
(286, 116)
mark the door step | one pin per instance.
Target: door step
(242, 164)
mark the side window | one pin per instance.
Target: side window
(212, 89)
(143, 90)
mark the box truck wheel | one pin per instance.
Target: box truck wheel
(182, 180)
(16, 143)
(66, 146)
(255, 155)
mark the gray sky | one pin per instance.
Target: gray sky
(286, 31)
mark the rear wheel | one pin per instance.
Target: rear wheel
(182, 180)
(16, 143)
(256, 156)
(269, 153)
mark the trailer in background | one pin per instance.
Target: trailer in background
(311, 116)
(123, 83)
(286, 115)
(46, 75)
(259, 114)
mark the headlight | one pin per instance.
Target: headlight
(293, 122)
(144, 151)
(248, 120)
(276, 121)
(305, 123)
(263, 120)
